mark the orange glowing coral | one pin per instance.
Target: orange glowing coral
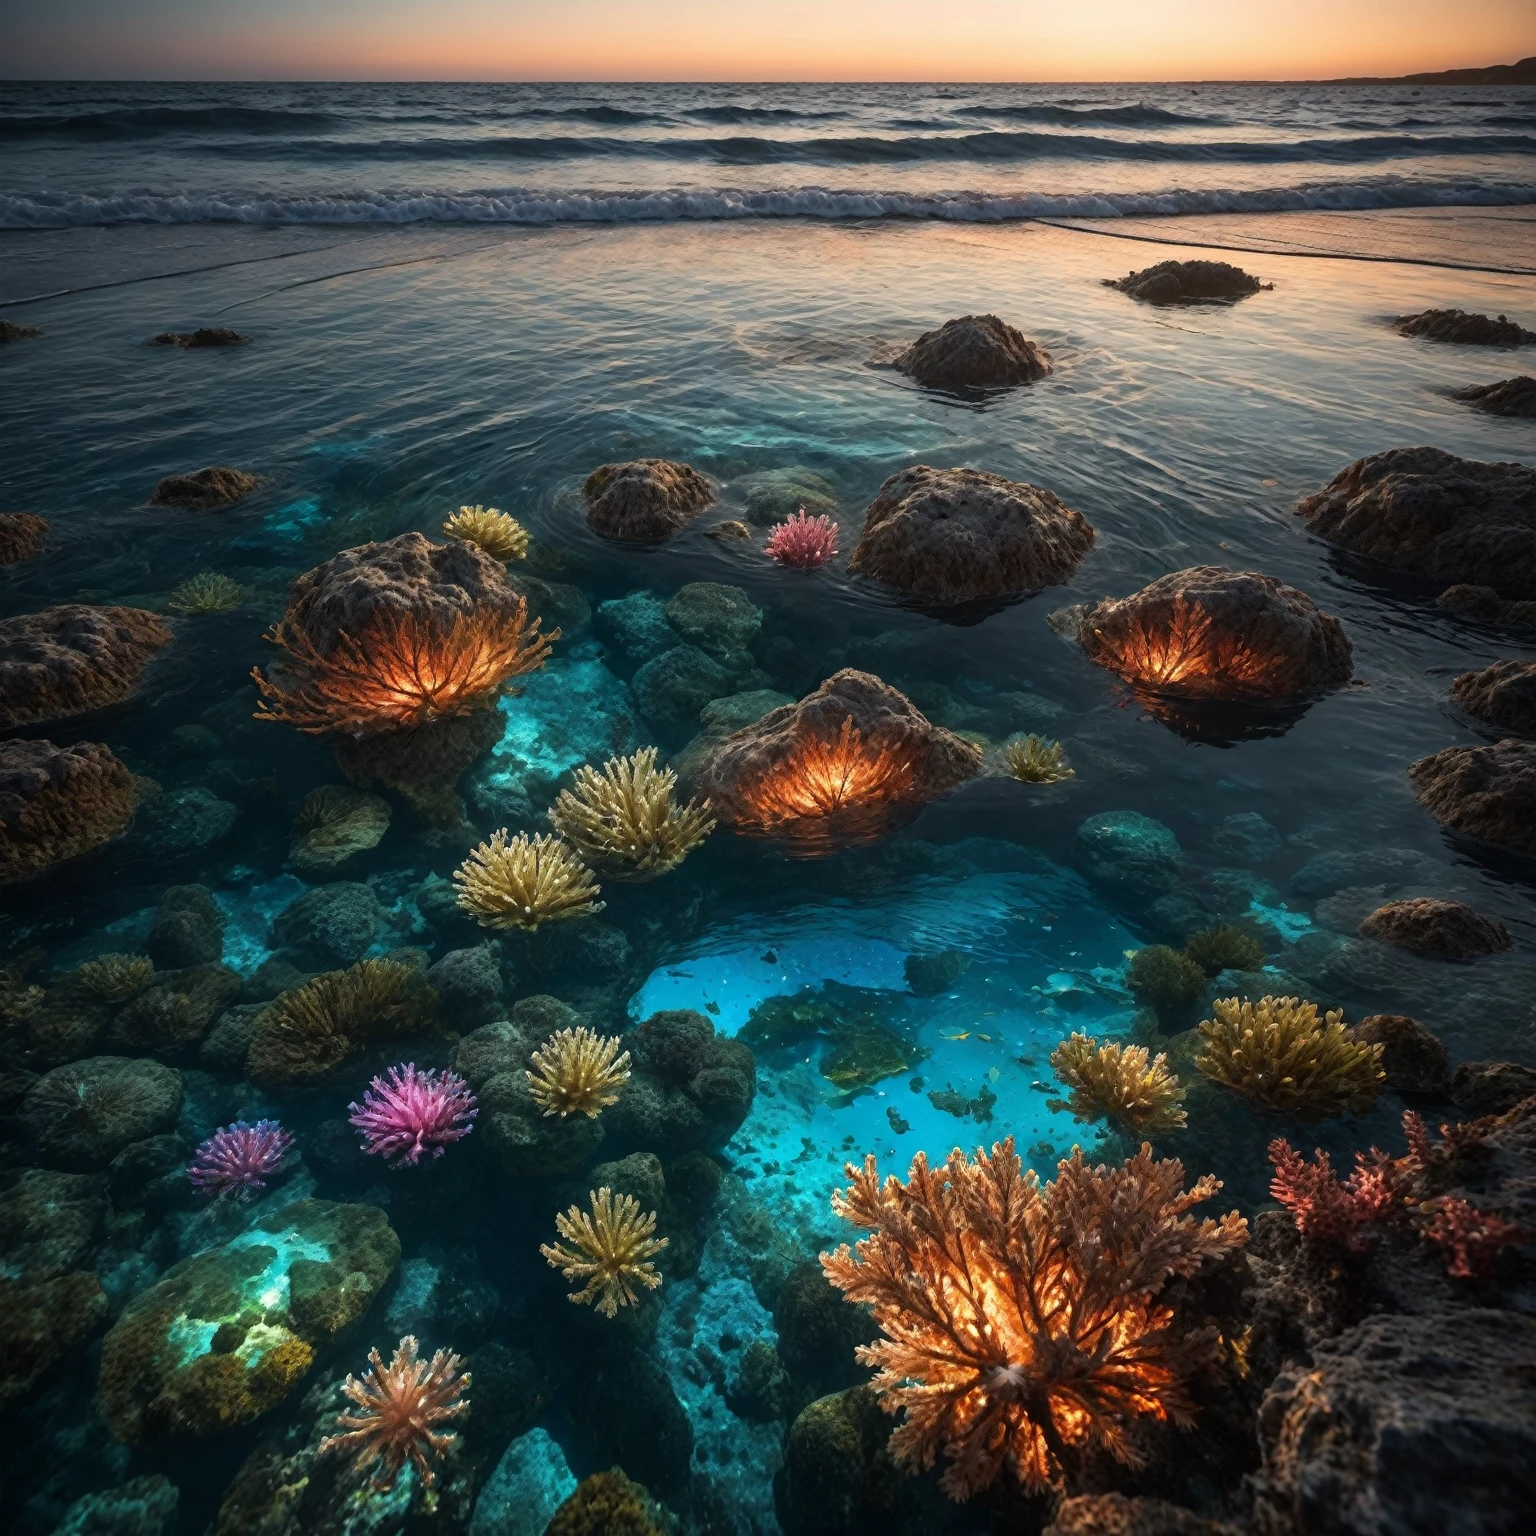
(1189, 654)
(1020, 1323)
(402, 670)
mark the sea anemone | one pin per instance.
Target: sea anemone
(207, 592)
(1163, 979)
(578, 1071)
(1034, 760)
(500, 535)
(803, 542)
(522, 881)
(626, 820)
(1117, 1081)
(115, 978)
(609, 1249)
(1224, 947)
(413, 1112)
(238, 1159)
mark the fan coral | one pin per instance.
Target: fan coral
(238, 1159)
(207, 592)
(1224, 947)
(413, 1112)
(523, 881)
(626, 820)
(578, 1071)
(501, 536)
(1116, 1081)
(335, 823)
(1034, 760)
(608, 1249)
(1163, 979)
(1020, 1322)
(803, 542)
(397, 1406)
(114, 978)
(401, 671)
(1278, 1053)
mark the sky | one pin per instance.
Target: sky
(1041, 40)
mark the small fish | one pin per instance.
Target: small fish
(711, 1007)
(987, 1038)
(993, 1074)
(964, 1034)
(991, 1013)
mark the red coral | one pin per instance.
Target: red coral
(1470, 1239)
(1328, 1212)
(802, 541)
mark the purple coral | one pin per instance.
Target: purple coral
(238, 1159)
(412, 1111)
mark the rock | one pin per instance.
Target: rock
(334, 924)
(609, 1504)
(73, 658)
(172, 1013)
(422, 765)
(1491, 1087)
(771, 495)
(225, 1335)
(1486, 604)
(963, 535)
(933, 975)
(819, 1329)
(143, 1506)
(531, 1481)
(1129, 853)
(205, 490)
(52, 1222)
(1405, 1424)
(1411, 1055)
(1443, 930)
(974, 352)
(672, 688)
(760, 1391)
(1509, 397)
(1187, 282)
(1113, 1514)
(1338, 869)
(736, 711)
(183, 821)
(188, 929)
(228, 1042)
(1210, 633)
(42, 1320)
(1457, 326)
(636, 626)
(203, 336)
(1247, 836)
(731, 530)
(1425, 510)
(336, 823)
(722, 621)
(10, 331)
(81, 1115)
(469, 986)
(1485, 792)
(21, 536)
(1503, 695)
(57, 803)
(628, 1403)
(556, 604)
(644, 501)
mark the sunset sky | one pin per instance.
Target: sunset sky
(766, 40)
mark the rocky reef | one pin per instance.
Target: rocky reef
(644, 501)
(974, 352)
(1508, 397)
(1459, 328)
(205, 490)
(72, 658)
(57, 803)
(1488, 793)
(1502, 695)
(21, 536)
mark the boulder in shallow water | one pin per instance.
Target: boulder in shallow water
(1425, 510)
(57, 803)
(672, 688)
(205, 490)
(1460, 328)
(80, 1116)
(21, 536)
(1187, 282)
(1485, 792)
(203, 336)
(974, 352)
(721, 620)
(1485, 603)
(1412, 1055)
(72, 658)
(1503, 695)
(10, 331)
(644, 501)
(1442, 930)
(963, 535)
(1509, 397)
(1131, 853)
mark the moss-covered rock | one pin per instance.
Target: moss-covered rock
(82, 1115)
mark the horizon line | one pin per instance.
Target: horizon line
(1415, 79)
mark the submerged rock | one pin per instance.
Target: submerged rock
(531, 1481)
(1503, 695)
(1412, 1056)
(1491, 1087)
(57, 803)
(1457, 326)
(468, 984)
(80, 1116)
(181, 821)
(1486, 604)
(1486, 792)
(172, 1014)
(636, 626)
(423, 765)
(205, 490)
(10, 331)
(974, 352)
(203, 336)
(672, 688)
(52, 1222)
(1187, 282)
(42, 1320)
(21, 536)
(1509, 397)
(336, 923)
(644, 501)
(72, 658)
(963, 535)
(1427, 511)
(1130, 853)
(143, 1506)
(188, 929)
(720, 620)
(1443, 930)
(689, 1088)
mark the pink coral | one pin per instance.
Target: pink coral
(238, 1159)
(1328, 1212)
(1470, 1239)
(411, 1112)
(801, 541)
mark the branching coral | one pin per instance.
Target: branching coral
(803, 542)
(1020, 1323)
(397, 1406)
(523, 881)
(401, 671)
(207, 592)
(1280, 1054)
(1224, 947)
(1117, 1081)
(115, 978)
(500, 535)
(609, 1249)
(578, 1071)
(626, 819)
(1034, 760)
(1471, 1240)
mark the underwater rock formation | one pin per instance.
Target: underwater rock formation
(1509, 397)
(205, 490)
(176, 822)
(1443, 930)
(10, 331)
(143, 1506)
(965, 536)
(1412, 1056)
(1502, 695)
(43, 1319)
(80, 1116)
(1491, 1087)
(225, 1335)
(1485, 603)
(1129, 853)
(57, 803)
(188, 928)
(72, 658)
(609, 1504)
(1425, 510)
(531, 1481)
(645, 500)
(721, 620)
(469, 986)
(1485, 792)
(974, 352)
(673, 687)
(203, 336)
(335, 824)
(422, 766)
(1187, 282)
(21, 536)
(636, 626)
(333, 924)
(1458, 327)
(172, 1014)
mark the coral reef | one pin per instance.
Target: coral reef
(1508, 397)
(499, 534)
(1224, 947)
(413, 1112)
(1488, 793)
(203, 336)
(1034, 760)
(802, 542)
(1443, 930)
(1119, 1082)
(523, 881)
(72, 658)
(335, 824)
(80, 1116)
(1164, 979)
(1457, 326)
(625, 821)
(205, 490)
(1280, 1054)
(21, 536)
(397, 1406)
(207, 592)
(1021, 1324)
(115, 978)
(644, 501)
(238, 1159)
(608, 1504)
(974, 352)
(608, 1249)
(1187, 282)
(1502, 695)
(578, 1071)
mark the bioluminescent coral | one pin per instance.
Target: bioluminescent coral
(397, 1406)
(522, 881)
(1224, 947)
(578, 1071)
(609, 1249)
(499, 534)
(412, 1112)
(402, 670)
(801, 541)
(238, 1159)
(207, 592)
(626, 820)
(1280, 1054)
(1118, 1082)
(1034, 760)
(115, 978)
(1020, 1322)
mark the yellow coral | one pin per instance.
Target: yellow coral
(1034, 760)
(608, 1249)
(116, 977)
(207, 592)
(626, 819)
(502, 537)
(523, 881)
(1117, 1081)
(1279, 1053)
(578, 1071)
